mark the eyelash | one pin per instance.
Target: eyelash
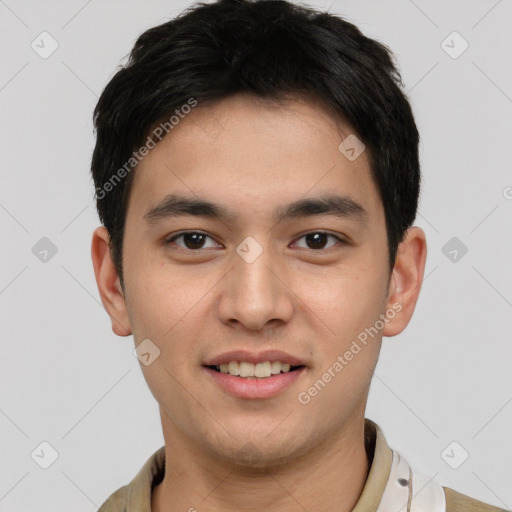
(171, 239)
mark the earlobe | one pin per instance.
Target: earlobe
(108, 283)
(406, 279)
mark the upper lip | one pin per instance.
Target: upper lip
(254, 357)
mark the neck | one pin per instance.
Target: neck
(331, 475)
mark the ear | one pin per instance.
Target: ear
(406, 279)
(111, 293)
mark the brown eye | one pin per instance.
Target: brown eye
(318, 240)
(192, 240)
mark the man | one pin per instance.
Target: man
(257, 177)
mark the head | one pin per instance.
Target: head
(271, 121)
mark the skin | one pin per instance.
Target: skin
(252, 156)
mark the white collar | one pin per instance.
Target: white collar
(410, 490)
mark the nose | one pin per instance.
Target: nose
(255, 292)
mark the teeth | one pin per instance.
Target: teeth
(262, 369)
(233, 368)
(259, 370)
(275, 367)
(246, 370)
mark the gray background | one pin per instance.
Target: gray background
(66, 379)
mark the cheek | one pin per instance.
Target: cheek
(158, 299)
(167, 307)
(174, 369)
(340, 387)
(344, 304)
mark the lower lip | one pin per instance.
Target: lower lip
(255, 388)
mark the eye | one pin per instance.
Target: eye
(195, 240)
(192, 240)
(318, 239)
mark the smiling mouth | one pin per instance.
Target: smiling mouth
(244, 370)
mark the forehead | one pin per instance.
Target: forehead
(246, 150)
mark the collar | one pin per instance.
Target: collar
(136, 496)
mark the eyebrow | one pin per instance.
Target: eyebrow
(175, 205)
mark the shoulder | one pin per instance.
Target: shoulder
(457, 502)
(116, 501)
(136, 495)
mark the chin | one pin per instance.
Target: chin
(261, 452)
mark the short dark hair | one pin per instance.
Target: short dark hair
(271, 49)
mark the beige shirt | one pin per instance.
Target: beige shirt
(136, 496)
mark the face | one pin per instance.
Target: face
(261, 278)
